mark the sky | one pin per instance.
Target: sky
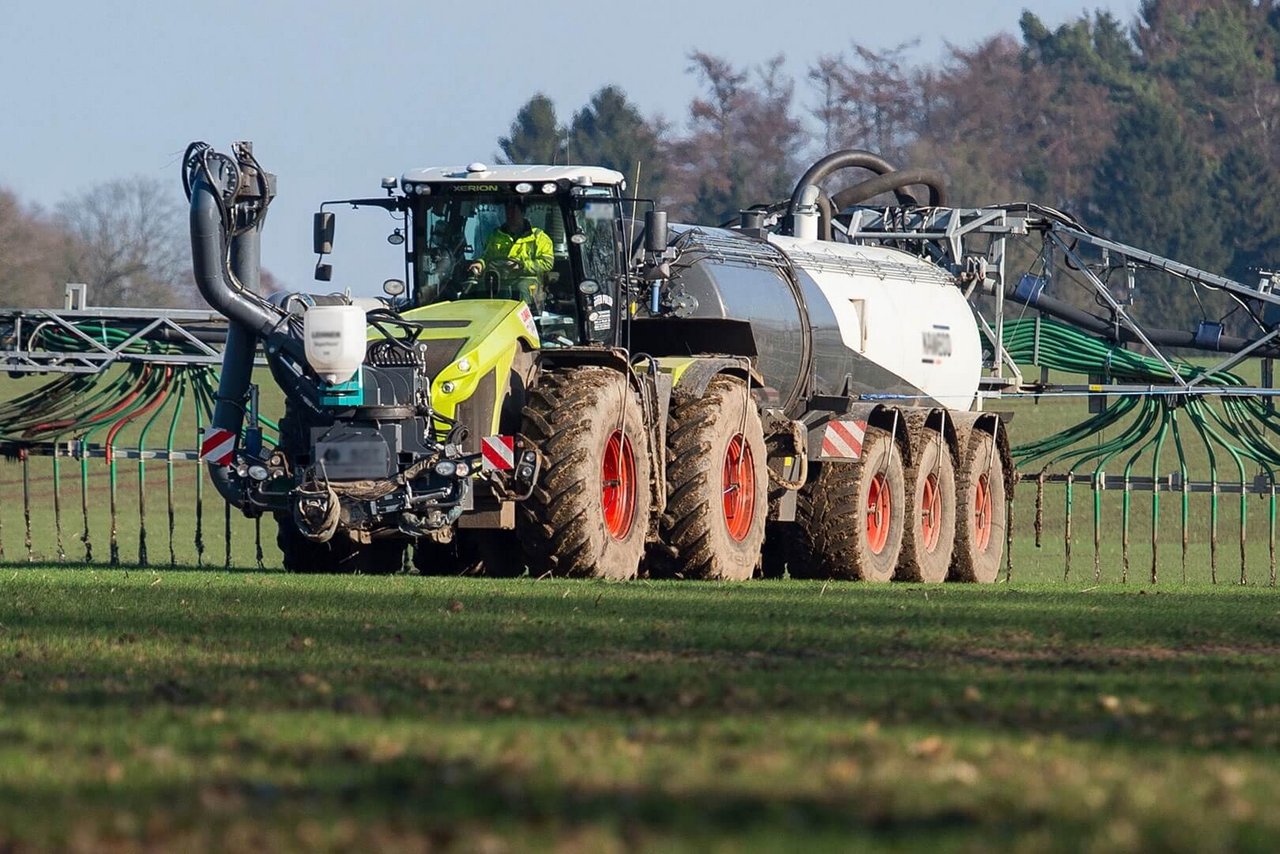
(337, 95)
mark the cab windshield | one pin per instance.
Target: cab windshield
(500, 246)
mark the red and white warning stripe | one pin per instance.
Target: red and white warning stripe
(498, 453)
(842, 440)
(217, 446)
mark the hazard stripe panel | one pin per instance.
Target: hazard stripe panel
(498, 453)
(842, 440)
(217, 446)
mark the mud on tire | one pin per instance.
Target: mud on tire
(850, 517)
(981, 514)
(717, 485)
(929, 538)
(589, 514)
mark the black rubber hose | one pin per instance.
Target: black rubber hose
(849, 158)
(1109, 331)
(894, 182)
(208, 236)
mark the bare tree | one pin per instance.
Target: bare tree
(125, 239)
(742, 142)
(868, 100)
(29, 247)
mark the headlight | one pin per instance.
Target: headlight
(549, 187)
(258, 472)
(446, 468)
(462, 469)
(524, 187)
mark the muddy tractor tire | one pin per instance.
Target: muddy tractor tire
(929, 539)
(981, 512)
(337, 556)
(850, 518)
(589, 513)
(717, 485)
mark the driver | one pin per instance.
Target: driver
(518, 254)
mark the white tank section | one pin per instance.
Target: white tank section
(335, 340)
(900, 312)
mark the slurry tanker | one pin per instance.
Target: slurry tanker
(674, 400)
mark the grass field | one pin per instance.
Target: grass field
(187, 709)
(194, 709)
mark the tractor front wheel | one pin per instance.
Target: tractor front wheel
(589, 514)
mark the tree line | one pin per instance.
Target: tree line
(124, 238)
(1161, 132)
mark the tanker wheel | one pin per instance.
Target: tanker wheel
(338, 555)
(850, 517)
(981, 512)
(930, 535)
(589, 513)
(717, 485)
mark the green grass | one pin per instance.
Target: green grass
(193, 709)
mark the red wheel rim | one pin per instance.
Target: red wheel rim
(930, 513)
(982, 513)
(739, 488)
(879, 513)
(618, 492)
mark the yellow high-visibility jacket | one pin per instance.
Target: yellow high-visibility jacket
(532, 249)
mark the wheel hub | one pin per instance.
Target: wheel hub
(982, 512)
(618, 485)
(738, 488)
(879, 513)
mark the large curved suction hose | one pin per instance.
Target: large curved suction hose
(894, 182)
(208, 256)
(849, 158)
(225, 254)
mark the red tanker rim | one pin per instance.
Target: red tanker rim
(618, 485)
(879, 513)
(931, 513)
(738, 484)
(982, 516)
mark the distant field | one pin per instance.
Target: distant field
(187, 710)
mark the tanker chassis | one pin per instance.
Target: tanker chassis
(672, 400)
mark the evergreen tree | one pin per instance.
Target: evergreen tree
(1247, 196)
(609, 131)
(1152, 189)
(535, 136)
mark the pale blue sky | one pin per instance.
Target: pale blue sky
(336, 95)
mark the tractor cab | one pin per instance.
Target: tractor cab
(565, 222)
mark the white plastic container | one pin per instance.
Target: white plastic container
(335, 340)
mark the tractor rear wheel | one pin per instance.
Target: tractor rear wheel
(717, 486)
(981, 512)
(850, 517)
(930, 535)
(589, 513)
(338, 555)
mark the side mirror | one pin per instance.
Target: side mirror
(324, 272)
(655, 231)
(322, 233)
